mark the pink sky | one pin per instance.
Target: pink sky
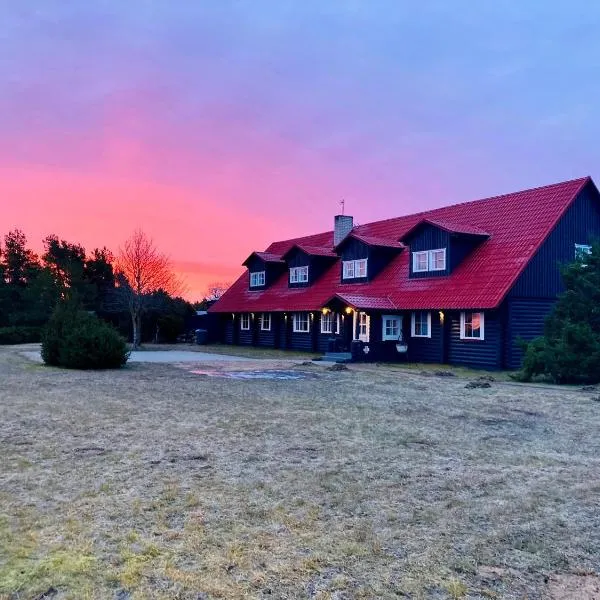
(218, 127)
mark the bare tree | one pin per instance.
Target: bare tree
(215, 290)
(143, 270)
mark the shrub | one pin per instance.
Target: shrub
(20, 335)
(78, 340)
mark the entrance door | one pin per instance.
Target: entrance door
(364, 327)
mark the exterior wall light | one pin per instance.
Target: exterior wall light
(348, 309)
(441, 317)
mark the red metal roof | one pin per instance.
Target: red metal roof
(448, 226)
(371, 240)
(268, 257)
(517, 224)
(313, 250)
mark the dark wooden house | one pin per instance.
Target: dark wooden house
(459, 284)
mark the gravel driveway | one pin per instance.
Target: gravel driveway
(163, 356)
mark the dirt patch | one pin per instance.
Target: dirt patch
(338, 367)
(574, 587)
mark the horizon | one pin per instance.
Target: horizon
(220, 129)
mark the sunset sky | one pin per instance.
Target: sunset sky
(218, 126)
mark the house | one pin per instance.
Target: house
(459, 284)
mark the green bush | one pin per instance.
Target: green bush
(20, 335)
(78, 340)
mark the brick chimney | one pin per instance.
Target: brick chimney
(342, 226)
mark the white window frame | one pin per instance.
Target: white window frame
(348, 269)
(413, 324)
(364, 326)
(265, 318)
(387, 336)
(257, 278)
(581, 250)
(245, 322)
(430, 260)
(481, 326)
(296, 321)
(299, 274)
(355, 269)
(327, 318)
(416, 257)
(432, 253)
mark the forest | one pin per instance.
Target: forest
(32, 285)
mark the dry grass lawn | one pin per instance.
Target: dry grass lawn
(153, 482)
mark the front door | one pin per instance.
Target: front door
(364, 327)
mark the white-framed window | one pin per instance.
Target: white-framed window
(352, 269)
(420, 324)
(299, 274)
(327, 320)
(257, 278)
(429, 260)
(265, 321)
(581, 251)
(471, 326)
(300, 323)
(364, 323)
(245, 322)
(437, 259)
(391, 327)
(420, 262)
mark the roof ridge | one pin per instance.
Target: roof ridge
(497, 197)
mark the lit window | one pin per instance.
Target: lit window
(392, 328)
(327, 323)
(245, 322)
(265, 322)
(420, 325)
(353, 269)
(437, 259)
(299, 274)
(300, 323)
(471, 326)
(420, 262)
(257, 278)
(581, 251)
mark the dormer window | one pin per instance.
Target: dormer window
(257, 279)
(429, 260)
(299, 274)
(354, 269)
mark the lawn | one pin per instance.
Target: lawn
(154, 482)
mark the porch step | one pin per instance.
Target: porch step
(337, 357)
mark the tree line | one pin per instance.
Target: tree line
(136, 290)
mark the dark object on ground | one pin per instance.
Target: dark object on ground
(317, 358)
(49, 593)
(122, 595)
(444, 374)
(596, 398)
(486, 378)
(589, 388)
(338, 367)
(478, 384)
(201, 336)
